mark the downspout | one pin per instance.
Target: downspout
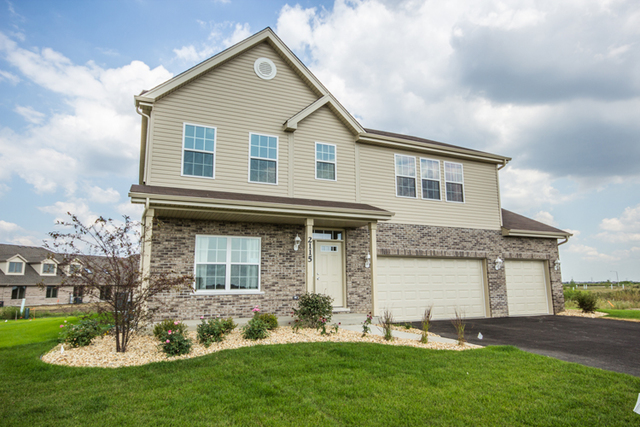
(143, 146)
(504, 163)
(566, 239)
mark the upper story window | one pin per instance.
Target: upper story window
(430, 173)
(48, 269)
(454, 182)
(225, 263)
(325, 161)
(16, 267)
(263, 159)
(405, 176)
(199, 151)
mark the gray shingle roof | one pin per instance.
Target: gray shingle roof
(514, 221)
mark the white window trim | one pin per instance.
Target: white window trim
(439, 180)
(335, 161)
(395, 171)
(277, 160)
(227, 279)
(55, 269)
(24, 267)
(464, 196)
(215, 148)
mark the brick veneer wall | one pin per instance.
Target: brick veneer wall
(282, 270)
(429, 241)
(34, 295)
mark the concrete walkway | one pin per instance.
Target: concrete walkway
(348, 321)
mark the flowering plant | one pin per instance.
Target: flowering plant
(366, 325)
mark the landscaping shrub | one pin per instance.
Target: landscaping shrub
(426, 323)
(587, 301)
(169, 324)
(387, 322)
(270, 319)
(570, 294)
(366, 325)
(459, 325)
(213, 330)
(10, 313)
(174, 342)
(80, 334)
(313, 307)
(256, 329)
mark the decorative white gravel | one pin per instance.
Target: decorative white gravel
(144, 349)
(579, 313)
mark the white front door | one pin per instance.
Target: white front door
(329, 270)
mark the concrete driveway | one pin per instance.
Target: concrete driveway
(607, 344)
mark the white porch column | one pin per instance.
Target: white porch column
(373, 250)
(308, 253)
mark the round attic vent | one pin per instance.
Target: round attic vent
(265, 68)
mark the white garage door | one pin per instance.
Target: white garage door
(407, 286)
(526, 287)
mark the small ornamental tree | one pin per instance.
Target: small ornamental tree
(104, 260)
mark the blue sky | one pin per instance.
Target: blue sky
(553, 85)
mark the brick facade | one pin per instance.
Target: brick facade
(450, 242)
(35, 295)
(283, 269)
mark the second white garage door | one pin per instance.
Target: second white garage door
(526, 287)
(407, 286)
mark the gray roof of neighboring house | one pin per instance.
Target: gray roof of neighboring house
(514, 221)
(32, 254)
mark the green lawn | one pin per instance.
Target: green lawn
(310, 384)
(19, 332)
(622, 314)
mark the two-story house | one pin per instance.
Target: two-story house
(257, 181)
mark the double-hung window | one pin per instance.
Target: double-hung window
(405, 176)
(199, 145)
(263, 159)
(430, 173)
(325, 161)
(18, 292)
(48, 269)
(52, 292)
(226, 263)
(16, 267)
(454, 182)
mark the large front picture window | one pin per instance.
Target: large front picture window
(199, 151)
(225, 263)
(263, 163)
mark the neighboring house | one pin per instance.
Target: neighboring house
(257, 181)
(22, 268)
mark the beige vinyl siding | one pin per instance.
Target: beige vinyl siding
(377, 187)
(234, 100)
(324, 127)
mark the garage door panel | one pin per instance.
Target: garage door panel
(526, 287)
(445, 284)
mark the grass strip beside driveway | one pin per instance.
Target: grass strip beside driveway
(622, 314)
(317, 384)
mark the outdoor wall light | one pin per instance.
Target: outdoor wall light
(367, 263)
(296, 242)
(499, 263)
(556, 265)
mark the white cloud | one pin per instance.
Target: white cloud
(590, 253)
(575, 233)
(30, 114)
(625, 228)
(546, 218)
(526, 189)
(13, 233)
(8, 227)
(216, 41)
(132, 211)
(79, 208)
(11, 78)
(99, 195)
(97, 136)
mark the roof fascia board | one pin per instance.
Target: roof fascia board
(256, 206)
(432, 149)
(202, 67)
(529, 233)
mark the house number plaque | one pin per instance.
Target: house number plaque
(310, 249)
